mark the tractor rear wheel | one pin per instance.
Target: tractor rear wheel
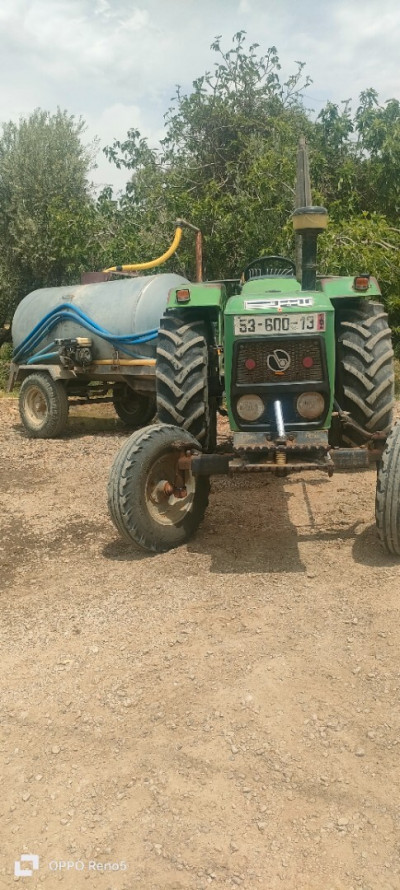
(43, 406)
(182, 376)
(387, 503)
(144, 502)
(364, 371)
(134, 409)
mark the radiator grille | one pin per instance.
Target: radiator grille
(269, 355)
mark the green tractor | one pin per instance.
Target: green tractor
(304, 372)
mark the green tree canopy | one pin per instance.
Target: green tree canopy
(45, 203)
(226, 163)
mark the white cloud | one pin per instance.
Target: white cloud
(116, 62)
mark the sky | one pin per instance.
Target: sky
(116, 63)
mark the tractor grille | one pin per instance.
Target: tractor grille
(279, 360)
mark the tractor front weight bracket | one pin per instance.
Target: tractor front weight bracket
(279, 459)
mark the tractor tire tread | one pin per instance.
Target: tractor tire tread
(387, 501)
(364, 376)
(182, 376)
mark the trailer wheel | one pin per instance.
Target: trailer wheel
(387, 502)
(43, 406)
(134, 409)
(182, 376)
(364, 371)
(139, 499)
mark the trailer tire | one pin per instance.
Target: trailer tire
(137, 503)
(43, 406)
(134, 409)
(364, 371)
(182, 378)
(387, 501)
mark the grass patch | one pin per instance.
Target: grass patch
(397, 377)
(5, 358)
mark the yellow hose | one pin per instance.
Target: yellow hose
(147, 362)
(134, 267)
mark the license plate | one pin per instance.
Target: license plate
(296, 323)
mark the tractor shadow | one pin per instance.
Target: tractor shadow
(248, 529)
(258, 524)
(368, 551)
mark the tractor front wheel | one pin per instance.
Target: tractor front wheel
(387, 503)
(151, 501)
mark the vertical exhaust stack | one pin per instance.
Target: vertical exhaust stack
(308, 221)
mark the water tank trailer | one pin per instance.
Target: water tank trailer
(89, 339)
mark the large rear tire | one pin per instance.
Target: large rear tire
(141, 478)
(387, 502)
(182, 376)
(364, 371)
(134, 409)
(43, 406)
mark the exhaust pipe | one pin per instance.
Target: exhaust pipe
(309, 222)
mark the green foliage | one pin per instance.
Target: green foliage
(5, 358)
(366, 243)
(227, 162)
(45, 204)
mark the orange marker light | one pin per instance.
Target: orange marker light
(183, 296)
(361, 282)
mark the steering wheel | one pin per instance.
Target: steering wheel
(270, 267)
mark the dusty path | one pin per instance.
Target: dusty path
(224, 715)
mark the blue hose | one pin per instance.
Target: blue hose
(69, 312)
(42, 357)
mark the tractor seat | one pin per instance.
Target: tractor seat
(273, 266)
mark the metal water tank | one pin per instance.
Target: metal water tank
(129, 306)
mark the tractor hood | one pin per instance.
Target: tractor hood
(276, 295)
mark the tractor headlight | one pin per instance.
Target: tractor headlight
(310, 405)
(250, 407)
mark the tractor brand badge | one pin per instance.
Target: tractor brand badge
(281, 303)
(278, 361)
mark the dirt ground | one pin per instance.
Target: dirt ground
(223, 715)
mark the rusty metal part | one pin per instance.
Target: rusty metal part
(354, 458)
(256, 453)
(185, 462)
(183, 465)
(199, 257)
(95, 277)
(241, 466)
(211, 464)
(180, 492)
(259, 442)
(347, 421)
(199, 246)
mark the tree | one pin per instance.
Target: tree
(46, 209)
(227, 162)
